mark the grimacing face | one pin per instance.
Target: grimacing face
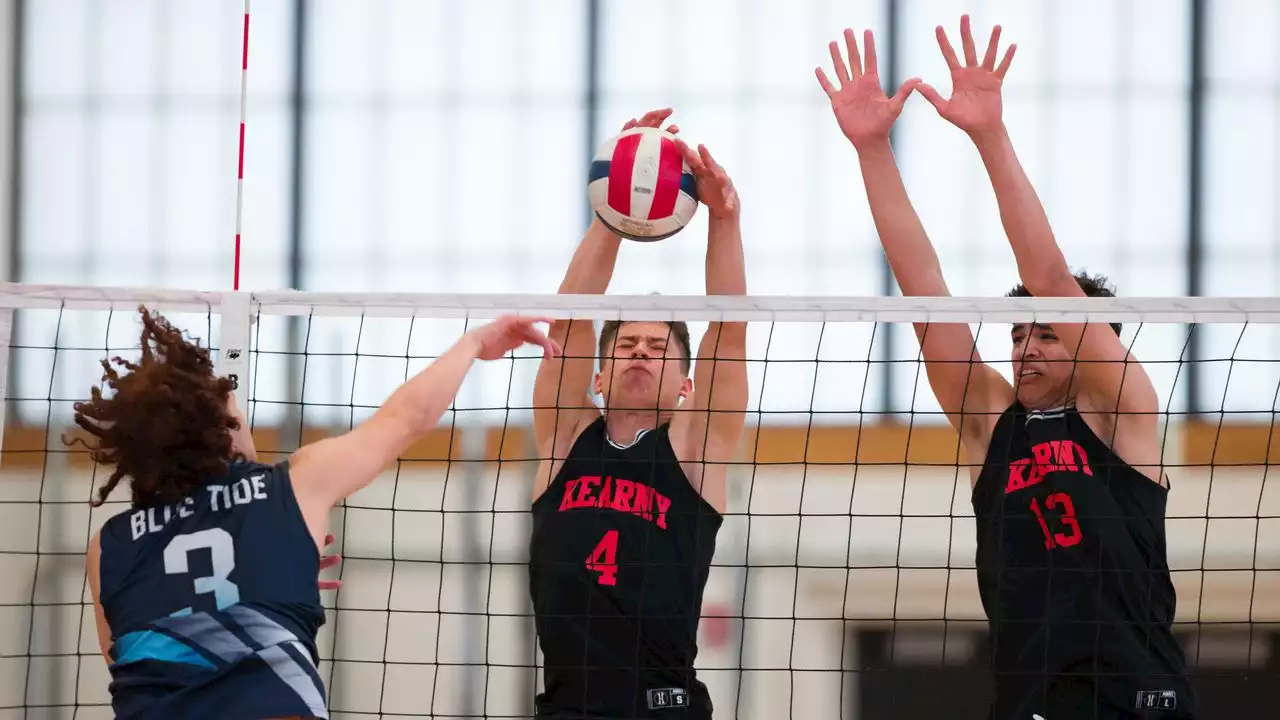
(643, 369)
(1042, 367)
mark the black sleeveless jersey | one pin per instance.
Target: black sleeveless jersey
(213, 603)
(1072, 572)
(618, 561)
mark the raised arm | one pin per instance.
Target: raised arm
(327, 471)
(562, 389)
(971, 393)
(708, 436)
(1109, 375)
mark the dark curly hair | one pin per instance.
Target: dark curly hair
(1095, 286)
(166, 425)
(679, 331)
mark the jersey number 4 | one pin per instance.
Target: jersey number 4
(1071, 534)
(222, 555)
(603, 560)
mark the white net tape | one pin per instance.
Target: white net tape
(850, 529)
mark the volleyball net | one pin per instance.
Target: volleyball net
(843, 583)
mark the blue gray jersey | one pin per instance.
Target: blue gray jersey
(213, 603)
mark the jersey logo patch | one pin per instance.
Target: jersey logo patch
(662, 698)
(1156, 700)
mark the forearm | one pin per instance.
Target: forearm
(425, 397)
(1040, 261)
(592, 266)
(906, 244)
(726, 266)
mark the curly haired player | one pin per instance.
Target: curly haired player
(1070, 495)
(205, 590)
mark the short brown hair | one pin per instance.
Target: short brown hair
(679, 331)
(166, 424)
(1094, 286)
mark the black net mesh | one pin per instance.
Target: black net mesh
(843, 583)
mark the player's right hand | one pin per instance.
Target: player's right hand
(653, 119)
(861, 108)
(508, 333)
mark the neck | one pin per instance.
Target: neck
(622, 426)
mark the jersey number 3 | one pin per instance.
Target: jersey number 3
(222, 554)
(604, 559)
(1061, 502)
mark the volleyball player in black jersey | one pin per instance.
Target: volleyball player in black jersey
(205, 590)
(1070, 495)
(629, 497)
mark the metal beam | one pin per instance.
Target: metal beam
(1195, 192)
(891, 71)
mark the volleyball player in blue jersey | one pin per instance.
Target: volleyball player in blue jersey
(205, 590)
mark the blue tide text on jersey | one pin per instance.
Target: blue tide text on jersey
(213, 603)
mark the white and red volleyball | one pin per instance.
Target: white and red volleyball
(640, 185)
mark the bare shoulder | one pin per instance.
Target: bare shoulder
(704, 458)
(553, 451)
(1135, 438)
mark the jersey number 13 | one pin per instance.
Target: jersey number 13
(222, 554)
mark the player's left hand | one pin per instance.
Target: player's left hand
(328, 561)
(715, 187)
(975, 105)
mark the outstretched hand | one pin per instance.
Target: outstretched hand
(326, 562)
(975, 105)
(508, 333)
(715, 187)
(862, 109)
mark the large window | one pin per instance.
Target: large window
(740, 78)
(442, 153)
(1241, 220)
(130, 119)
(1096, 102)
(443, 149)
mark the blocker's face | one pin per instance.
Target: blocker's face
(1042, 366)
(642, 370)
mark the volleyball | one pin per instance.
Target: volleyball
(640, 185)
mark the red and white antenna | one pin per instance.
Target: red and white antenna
(244, 95)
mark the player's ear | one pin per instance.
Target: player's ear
(598, 383)
(686, 387)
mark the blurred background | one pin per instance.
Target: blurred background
(442, 146)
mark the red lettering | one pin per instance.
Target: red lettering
(1063, 455)
(603, 559)
(623, 490)
(1066, 516)
(1068, 519)
(585, 486)
(604, 500)
(663, 505)
(644, 501)
(617, 494)
(566, 502)
(1084, 461)
(1016, 480)
(1036, 476)
(1044, 457)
